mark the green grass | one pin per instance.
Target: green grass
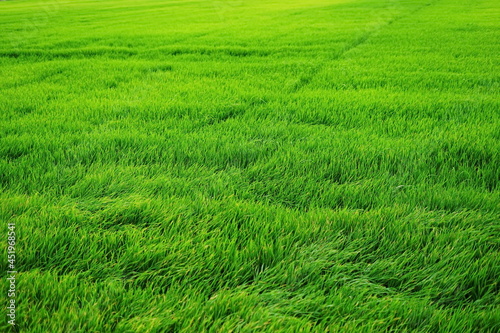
(252, 166)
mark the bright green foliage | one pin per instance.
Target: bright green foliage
(252, 166)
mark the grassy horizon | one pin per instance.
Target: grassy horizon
(251, 166)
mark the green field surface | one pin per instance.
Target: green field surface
(251, 166)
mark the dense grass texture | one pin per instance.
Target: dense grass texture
(251, 166)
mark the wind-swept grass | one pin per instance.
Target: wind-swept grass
(252, 166)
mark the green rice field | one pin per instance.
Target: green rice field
(250, 165)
